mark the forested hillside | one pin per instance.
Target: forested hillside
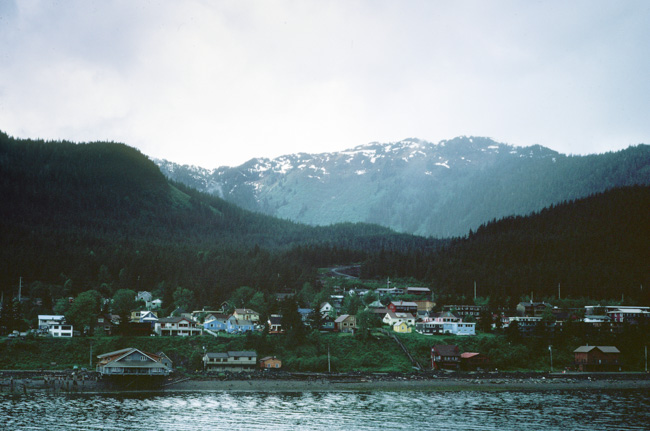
(102, 216)
(597, 247)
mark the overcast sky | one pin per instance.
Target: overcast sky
(216, 83)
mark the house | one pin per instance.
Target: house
(391, 318)
(177, 327)
(103, 324)
(532, 309)
(216, 322)
(597, 358)
(425, 305)
(529, 326)
(47, 320)
(327, 324)
(202, 315)
(275, 324)
(61, 331)
(156, 304)
(345, 323)
(463, 311)
(392, 291)
(131, 361)
(473, 361)
(445, 357)
(236, 326)
(629, 315)
(402, 328)
(144, 296)
(597, 321)
(420, 291)
(270, 363)
(326, 308)
(233, 361)
(403, 307)
(246, 314)
(144, 316)
(445, 323)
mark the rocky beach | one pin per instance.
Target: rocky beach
(26, 381)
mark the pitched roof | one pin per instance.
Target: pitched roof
(604, 349)
(216, 316)
(341, 318)
(468, 355)
(245, 311)
(404, 304)
(242, 353)
(446, 349)
(175, 319)
(212, 355)
(110, 357)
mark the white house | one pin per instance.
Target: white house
(177, 327)
(62, 331)
(326, 308)
(47, 320)
(446, 323)
(396, 318)
(144, 316)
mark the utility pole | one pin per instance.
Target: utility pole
(550, 349)
(474, 290)
(646, 358)
(329, 367)
(558, 292)
(91, 356)
(20, 288)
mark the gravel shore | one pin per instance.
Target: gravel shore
(335, 383)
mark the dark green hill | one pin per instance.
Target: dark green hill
(597, 247)
(101, 215)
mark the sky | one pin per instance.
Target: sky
(214, 83)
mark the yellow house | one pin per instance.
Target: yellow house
(402, 328)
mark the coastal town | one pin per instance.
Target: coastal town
(394, 313)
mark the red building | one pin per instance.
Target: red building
(597, 358)
(473, 361)
(445, 357)
(403, 307)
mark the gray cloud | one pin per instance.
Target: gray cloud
(215, 83)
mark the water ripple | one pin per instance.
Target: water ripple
(558, 410)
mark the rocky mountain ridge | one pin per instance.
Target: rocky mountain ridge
(414, 186)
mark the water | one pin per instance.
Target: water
(457, 410)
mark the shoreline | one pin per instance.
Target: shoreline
(340, 383)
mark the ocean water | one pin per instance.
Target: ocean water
(403, 410)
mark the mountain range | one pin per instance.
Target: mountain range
(102, 216)
(414, 186)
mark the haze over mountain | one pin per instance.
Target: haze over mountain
(415, 186)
